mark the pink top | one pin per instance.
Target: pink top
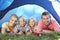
(53, 26)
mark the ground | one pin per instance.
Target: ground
(52, 36)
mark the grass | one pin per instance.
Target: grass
(51, 36)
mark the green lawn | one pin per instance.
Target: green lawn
(52, 36)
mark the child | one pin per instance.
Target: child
(31, 26)
(21, 27)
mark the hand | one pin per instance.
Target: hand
(37, 31)
(20, 33)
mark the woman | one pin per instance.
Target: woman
(8, 27)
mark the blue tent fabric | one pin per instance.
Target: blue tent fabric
(5, 4)
(46, 4)
(27, 11)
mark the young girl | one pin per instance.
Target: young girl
(21, 27)
(31, 26)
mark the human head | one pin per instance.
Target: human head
(46, 18)
(22, 21)
(13, 20)
(32, 22)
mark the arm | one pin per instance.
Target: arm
(56, 27)
(47, 32)
(27, 31)
(38, 28)
(3, 30)
(19, 33)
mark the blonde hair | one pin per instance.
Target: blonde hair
(33, 20)
(21, 17)
(13, 15)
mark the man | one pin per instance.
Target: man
(8, 27)
(46, 24)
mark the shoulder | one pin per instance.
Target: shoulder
(5, 24)
(40, 22)
(53, 21)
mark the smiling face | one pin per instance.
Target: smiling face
(46, 18)
(21, 22)
(12, 21)
(31, 23)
